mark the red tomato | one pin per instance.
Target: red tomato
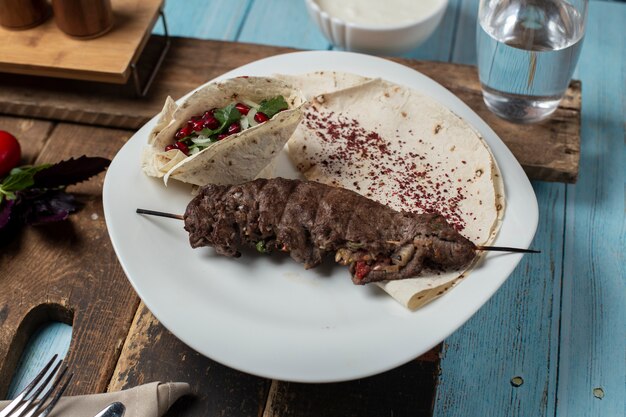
(10, 152)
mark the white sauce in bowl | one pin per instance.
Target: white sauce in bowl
(378, 12)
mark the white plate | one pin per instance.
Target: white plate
(266, 315)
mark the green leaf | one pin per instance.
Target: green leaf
(19, 179)
(273, 105)
(204, 132)
(227, 116)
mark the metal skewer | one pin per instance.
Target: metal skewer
(487, 248)
(160, 213)
(507, 249)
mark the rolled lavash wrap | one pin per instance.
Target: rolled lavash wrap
(237, 158)
(407, 151)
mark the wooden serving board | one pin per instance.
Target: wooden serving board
(69, 272)
(46, 51)
(547, 151)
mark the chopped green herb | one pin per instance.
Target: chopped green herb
(273, 105)
(207, 132)
(260, 246)
(226, 116)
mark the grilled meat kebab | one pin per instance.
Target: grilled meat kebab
(310, 220)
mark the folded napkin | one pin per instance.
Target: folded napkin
(149, 400)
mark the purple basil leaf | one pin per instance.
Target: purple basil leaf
(5, 212)
(71, 171)
(49, 206)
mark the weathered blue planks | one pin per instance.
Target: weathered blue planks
(592, 367)
(52, 338)
(504, 360)
(560, 355)
(580, 349)
(512, 340)
(215, 19)
(438, 47)
(281, 23)
(464, 49)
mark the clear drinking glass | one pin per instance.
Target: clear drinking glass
(527, 53)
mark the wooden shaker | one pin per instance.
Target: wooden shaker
(84, 19)
(23, 14)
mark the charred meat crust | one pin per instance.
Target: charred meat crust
(310, 220)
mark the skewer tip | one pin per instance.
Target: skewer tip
(507, 249)
(159, 213)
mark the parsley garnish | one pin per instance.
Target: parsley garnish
(226, 116)
(273, 105)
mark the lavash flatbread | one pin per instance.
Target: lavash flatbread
(319, 82)
(312, 84)
(408, 141)
(235, 159)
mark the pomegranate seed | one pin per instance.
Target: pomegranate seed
(185, 131)
(169, 147)
(182, 147)
(222, 136)
(243, 109)
(234, 128)
(198, 125)
(211, 123)
(261, 117)
(194, 118)
(208, 114)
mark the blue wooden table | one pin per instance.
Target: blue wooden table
(552, 341)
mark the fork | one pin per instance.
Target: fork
(26, 404)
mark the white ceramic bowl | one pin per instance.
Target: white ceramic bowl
(380, 40)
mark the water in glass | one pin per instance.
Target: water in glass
(527, 53)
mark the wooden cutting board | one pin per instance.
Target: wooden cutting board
(68, 272)
(45, 50)
(547, 151)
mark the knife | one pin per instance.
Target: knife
(116, 409)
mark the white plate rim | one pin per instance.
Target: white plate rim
(521, 211)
